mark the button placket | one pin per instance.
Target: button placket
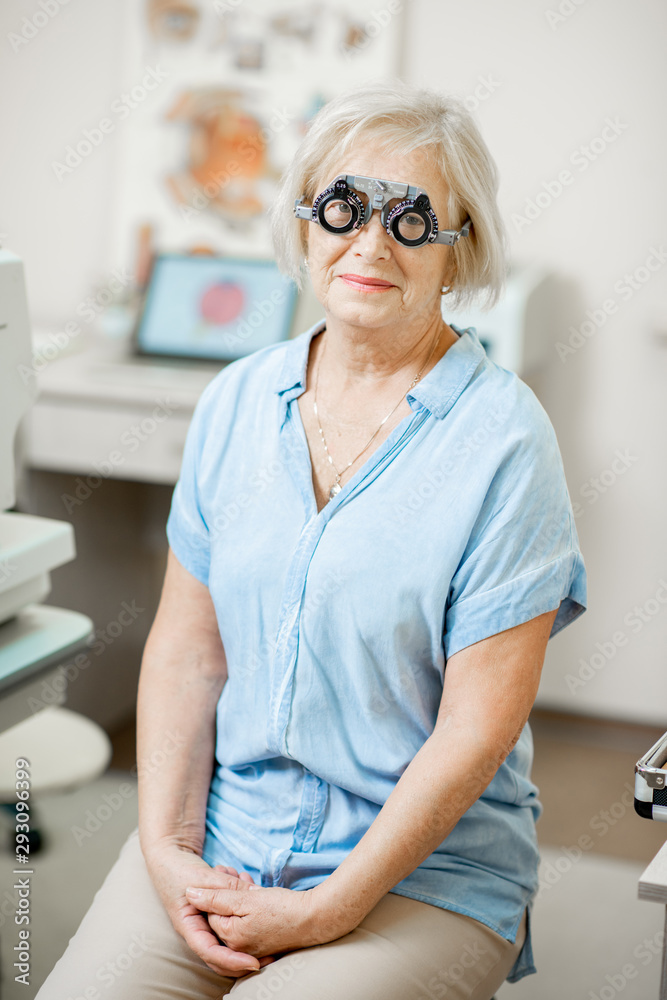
(295, 452)
(284, 658)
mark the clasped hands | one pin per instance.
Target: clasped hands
(265, 921)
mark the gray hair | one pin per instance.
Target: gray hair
(405, 118)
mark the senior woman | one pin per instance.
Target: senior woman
(343, 671)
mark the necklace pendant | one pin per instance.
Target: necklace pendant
(336, 488)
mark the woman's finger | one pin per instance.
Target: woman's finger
(223, 960)
(233, 932)
(220, 926)
(228, 870)
(224, 877)
(222, 901)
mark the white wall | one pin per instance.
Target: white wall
(52, 87)
(552, 89)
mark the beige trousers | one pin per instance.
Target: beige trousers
(404, 949)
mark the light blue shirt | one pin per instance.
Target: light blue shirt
(337, 625)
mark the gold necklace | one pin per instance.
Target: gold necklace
(335, 486)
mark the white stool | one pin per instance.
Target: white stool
(64, 749)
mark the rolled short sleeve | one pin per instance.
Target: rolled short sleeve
(187, 530)
(522, 558)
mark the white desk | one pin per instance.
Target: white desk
(99, 413)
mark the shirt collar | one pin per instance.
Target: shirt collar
(437, 391)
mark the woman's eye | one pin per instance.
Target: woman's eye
(411, 226)
(337, 213)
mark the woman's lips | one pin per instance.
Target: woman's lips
(363, 284)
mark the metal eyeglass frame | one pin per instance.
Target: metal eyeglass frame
(412, 200)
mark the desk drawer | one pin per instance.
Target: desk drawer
(139, 443)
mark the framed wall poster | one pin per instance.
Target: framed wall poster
(216, 98)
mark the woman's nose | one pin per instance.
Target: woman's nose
(373, 241)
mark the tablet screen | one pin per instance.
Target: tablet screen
(214, 308)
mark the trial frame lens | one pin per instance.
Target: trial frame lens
(340, 210)
(328, 208)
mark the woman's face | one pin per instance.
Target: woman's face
(411, 277)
